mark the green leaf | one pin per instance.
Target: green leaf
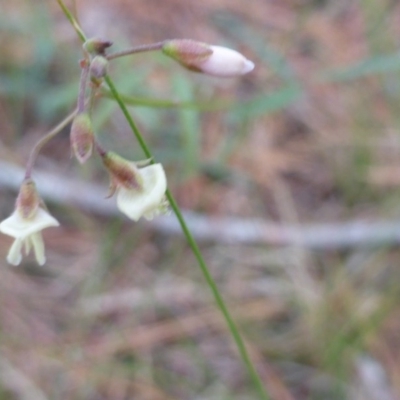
(372, 66)
(268, 102)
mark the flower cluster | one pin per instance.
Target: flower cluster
(140, 187)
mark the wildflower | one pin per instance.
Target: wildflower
(140, 189)
(82, 137)
(26, 223)
(212, 60)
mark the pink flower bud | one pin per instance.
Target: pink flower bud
(98, 67)
(212, 60)
(28, 199)
(82, 137)
(123, 172)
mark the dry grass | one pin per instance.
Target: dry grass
(120, 311)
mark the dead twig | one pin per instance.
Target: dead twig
(91, 198)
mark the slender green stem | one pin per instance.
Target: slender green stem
(131, 122)
(164, 103)
(219, 300)
(192, 243)
(197, 253)
(72, 20)
(137, 49)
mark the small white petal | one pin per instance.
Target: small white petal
(14, 255)
(248, 66)
(134, 203)
(130, 203)
(18, 227)
(154, 181)
(38, 247)
(226, 62)
(28, 231)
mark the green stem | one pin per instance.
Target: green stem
(163, 103)
(219, 300)
(128, 117)
(137, 49)
(72, 20)
(197, 253)
(192, 243)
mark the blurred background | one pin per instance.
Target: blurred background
(289, 177)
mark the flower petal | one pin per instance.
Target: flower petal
(162, 208)
(226, 63)
(18, 227)
(38, 247)
(14, 255)
(137, 203)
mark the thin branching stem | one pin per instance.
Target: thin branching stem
(72, 20)
(192, 243)
(82, 86)
(166, 103)
(137, 49)
(38, 146)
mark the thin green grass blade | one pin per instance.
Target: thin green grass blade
(377, 65)
(189, 125)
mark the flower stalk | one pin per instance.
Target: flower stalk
(82, 86)
(192, 243)
(46, 138)
(137, 49)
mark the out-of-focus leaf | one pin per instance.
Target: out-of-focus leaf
(244, 33)
(266, 103)
(372, 66)
(189, 124)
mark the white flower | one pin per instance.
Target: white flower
(225, 62)
(150, 200)
(27, 231)
(140, 187)
(212, 60)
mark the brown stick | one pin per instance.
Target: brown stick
(90, 197)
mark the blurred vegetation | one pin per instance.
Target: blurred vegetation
(120, 311)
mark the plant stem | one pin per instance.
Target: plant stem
(218, 299)
(38, 146)
(191, 241)
(137, 49)
(164, 103)
(72, 20)
(82, 86)
(131, 122)
(197, 253)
